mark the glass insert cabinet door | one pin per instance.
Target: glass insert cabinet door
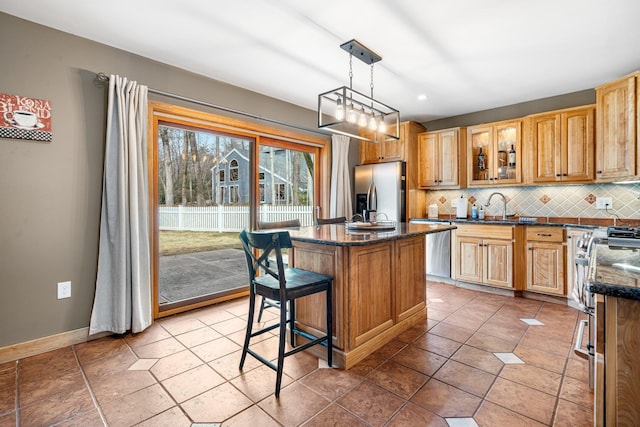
(494, 153)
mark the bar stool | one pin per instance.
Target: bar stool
(336, 220)
(267, 225)
(284, 285)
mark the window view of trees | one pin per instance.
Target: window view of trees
(187, 162)
(205, 168)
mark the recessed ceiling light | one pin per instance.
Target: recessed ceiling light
(422, 97)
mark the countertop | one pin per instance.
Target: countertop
(509, 221)
(340, 235)
(614, 272)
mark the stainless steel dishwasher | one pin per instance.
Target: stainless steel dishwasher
(438, 251)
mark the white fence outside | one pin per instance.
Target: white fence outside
(226, 218)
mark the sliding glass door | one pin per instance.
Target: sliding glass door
(210, 179)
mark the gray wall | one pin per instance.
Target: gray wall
(574, 99)
(50, 194)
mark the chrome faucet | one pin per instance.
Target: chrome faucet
(504, 201)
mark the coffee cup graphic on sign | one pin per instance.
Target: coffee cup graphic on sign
(23, 119)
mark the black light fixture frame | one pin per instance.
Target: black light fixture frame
(330, 101)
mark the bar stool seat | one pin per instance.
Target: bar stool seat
(284, 285)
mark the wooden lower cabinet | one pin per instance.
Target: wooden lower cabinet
(410, 288)
(371, 273)
(546, 260)
(483, 260)
(617, 384)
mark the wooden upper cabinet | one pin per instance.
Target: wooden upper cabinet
(616, 141)
(562, 145)
(440, 159)
(428, 160)
(391, 151)
(494, 141)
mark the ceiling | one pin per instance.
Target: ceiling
(464, 55)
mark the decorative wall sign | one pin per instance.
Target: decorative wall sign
(25, 118)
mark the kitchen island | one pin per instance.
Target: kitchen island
(379, 286)
(614, 278)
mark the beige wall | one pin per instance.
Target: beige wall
(50, 193)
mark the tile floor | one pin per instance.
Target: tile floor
(183, 371)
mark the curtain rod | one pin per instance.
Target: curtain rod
(104, 78)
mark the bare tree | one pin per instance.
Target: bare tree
(197, 171)
(295, 177)
(185, 170)
(168, 167)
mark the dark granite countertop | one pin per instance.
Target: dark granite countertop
(340, 235)
(614, 272)
(508, 221)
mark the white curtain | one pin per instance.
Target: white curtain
(340, 201)
(123, 286)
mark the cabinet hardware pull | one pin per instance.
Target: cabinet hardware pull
(564, 174)
(558, 174)
(544, 234)
(598, 171)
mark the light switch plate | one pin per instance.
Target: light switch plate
(604, 203)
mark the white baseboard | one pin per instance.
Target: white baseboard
(44, 344)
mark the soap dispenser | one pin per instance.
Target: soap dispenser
(474, 212)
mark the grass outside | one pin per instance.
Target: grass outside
(186, 242)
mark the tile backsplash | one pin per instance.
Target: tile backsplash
(577, 201)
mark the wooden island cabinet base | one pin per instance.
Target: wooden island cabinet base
(379, 287)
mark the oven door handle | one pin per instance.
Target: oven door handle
(578, 348)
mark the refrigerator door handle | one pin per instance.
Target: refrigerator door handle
(374, 202)
(372, 197)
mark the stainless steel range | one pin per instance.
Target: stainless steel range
(618, 237)
(623, 237)
(586, 299)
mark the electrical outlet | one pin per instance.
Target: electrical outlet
(64, 290)
(454, 202)
(604, 203)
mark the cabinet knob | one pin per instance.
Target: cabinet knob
(558, 175)
(564, 174)
(598, 171)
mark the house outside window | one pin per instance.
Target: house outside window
(233, 170)
(263, 196)
(261, 176)
(234, 194)
(222, 195)
(221, 175)
(281, 194)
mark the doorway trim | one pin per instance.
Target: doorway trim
(166, 112)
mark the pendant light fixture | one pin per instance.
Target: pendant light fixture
(349, 112)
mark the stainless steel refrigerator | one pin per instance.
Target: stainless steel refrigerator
(381, 187)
